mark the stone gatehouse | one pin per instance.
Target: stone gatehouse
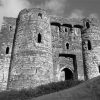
(37, 48)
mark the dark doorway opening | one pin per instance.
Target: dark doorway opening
(74, 74)
(68, 74)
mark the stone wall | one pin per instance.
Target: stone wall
(6, 42)
(66, 39)
(91, 45)
(31, 62)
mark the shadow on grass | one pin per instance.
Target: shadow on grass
(25, 94)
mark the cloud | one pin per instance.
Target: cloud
(76, 14)
(11, 8)
(94, 15)
(56, 7)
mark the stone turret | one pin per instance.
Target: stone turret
(31, 61)
(91, 48)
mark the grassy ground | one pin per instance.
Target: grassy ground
(25, 94)
(88, 90)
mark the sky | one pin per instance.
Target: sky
(65, 8)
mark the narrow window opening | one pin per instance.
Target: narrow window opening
(67, 45)
(10, 28)
(89, 45)
(40, 15)
(65, 29)
(7, 50)
(36, 70)
(99, 68)
(39, 38)
(87, 25)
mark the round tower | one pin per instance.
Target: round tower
(31, 62)
(90, 43)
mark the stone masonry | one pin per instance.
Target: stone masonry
(39, 48)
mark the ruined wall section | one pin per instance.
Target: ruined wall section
(6, 42)
(66, 39)
(91, 47)
(32, 63)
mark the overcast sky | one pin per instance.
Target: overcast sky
(66, 8)
(71, 7)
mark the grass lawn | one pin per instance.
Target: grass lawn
(25, 94)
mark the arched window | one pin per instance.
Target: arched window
(89, 45)
(40, 15)
(67, 45)
(87, 25)
(39, 38)
(7, 50)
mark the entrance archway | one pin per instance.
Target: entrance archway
(68, 74)
(73, 71)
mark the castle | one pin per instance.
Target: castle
(37, 48)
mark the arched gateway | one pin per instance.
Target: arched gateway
(69, 71)
(68, 74)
